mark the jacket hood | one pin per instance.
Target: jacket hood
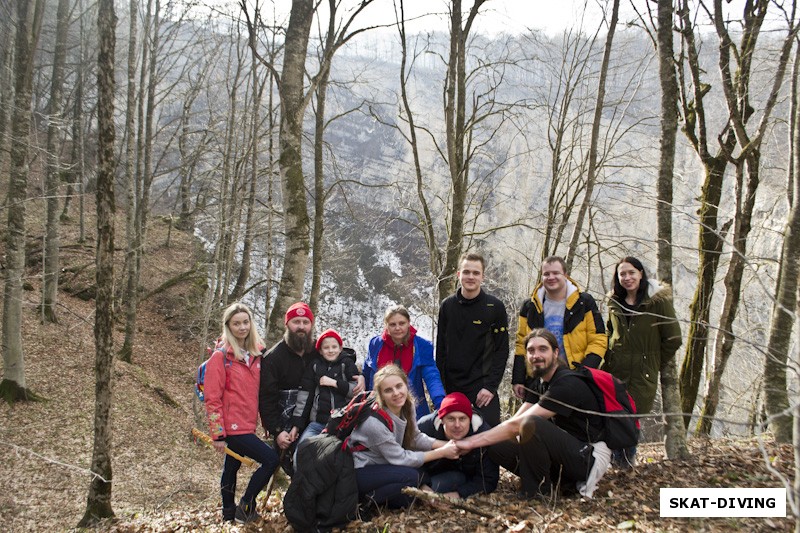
(537, 296)
(475, 423)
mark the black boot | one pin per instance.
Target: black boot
(246, 512)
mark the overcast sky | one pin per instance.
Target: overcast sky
(513, 16)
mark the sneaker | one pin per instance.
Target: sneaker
(246, 513)
(228, 514)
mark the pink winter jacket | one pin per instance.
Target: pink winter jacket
(231, 394)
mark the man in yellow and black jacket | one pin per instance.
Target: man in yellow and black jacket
(558, 305)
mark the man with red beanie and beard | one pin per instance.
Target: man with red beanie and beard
(281, 372)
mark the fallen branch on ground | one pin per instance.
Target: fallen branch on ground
(433, 497)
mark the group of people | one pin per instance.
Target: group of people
(553, 442)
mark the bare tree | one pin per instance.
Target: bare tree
(56, 121)
(335, 38)
(675, 435)
(257, 92)
(459, 139)
(131, 178)
(711, 235)
(7, 38)
(98, 502)
(736, 88)
(294, 100)
(594, 139)
(29, 24)
(784, 307)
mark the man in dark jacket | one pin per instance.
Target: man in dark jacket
(472, 473)
(472, 340)
(281, 373)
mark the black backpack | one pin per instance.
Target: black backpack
(323, 493)
(612, 396)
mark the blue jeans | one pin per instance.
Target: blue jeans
(383, 484)
(312, 430)
(448, 481)
(249, 446)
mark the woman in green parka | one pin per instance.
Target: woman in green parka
(643, 333)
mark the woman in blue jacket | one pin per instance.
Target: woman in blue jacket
(400, 345)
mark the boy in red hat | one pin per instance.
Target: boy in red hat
(327, 384)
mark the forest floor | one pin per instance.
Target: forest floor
(164, 481)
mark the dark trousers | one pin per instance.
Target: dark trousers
(383, 483)
(491, 412)
(249, 446)
(544, 456)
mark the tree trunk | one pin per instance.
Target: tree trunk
(425, 218)
(675, 443)
(28, 25)
(150, 44)
(250, 199)
(7, 38)
(53, 177)
(709, 246)
(591, 175)
(733, 290)
(296, 220)
(458, 143)
(131, 177)
(669, 130)
(317, 243)
(785, 304)
(319, 188)
(736, 87)
(76, 152)
(98, 502)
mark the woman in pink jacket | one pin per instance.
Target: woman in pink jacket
(233, 374)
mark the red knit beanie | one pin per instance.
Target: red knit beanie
(330, 332)
(299, 309)
(455, 401)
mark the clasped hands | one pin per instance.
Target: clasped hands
(455, 449)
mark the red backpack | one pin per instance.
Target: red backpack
(345, 419)
(612, 396)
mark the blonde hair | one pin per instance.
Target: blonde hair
(252, 343)
(407, 411)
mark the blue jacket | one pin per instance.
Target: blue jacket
(423, 367)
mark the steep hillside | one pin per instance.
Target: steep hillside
(46, 447)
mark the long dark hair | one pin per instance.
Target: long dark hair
(619, 291)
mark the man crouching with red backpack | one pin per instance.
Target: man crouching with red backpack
(553, 440)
